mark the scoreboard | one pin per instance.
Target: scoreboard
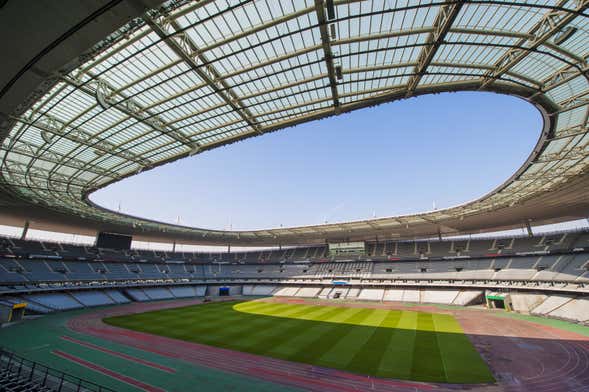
(347, 249)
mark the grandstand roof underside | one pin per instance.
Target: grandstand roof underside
(94, 93)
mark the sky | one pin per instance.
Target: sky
(397, 158)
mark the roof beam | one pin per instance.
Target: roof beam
(56, 127)
(237, 72)
(104, 93)
(578, 152)
(574, 102)
(24, 148)
(185, 48)
(440, 64)
(272, 23)
(550, 24)
(327, 53)
(576, 130)
(301, 52)
(564, 75)
(446, 16)
(307, 49)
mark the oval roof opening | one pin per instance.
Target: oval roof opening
(409, 156)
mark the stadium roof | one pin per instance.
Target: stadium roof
(190, 76)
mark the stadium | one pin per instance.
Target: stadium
(93, 93)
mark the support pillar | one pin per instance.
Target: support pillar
(229, 248)
(174, 247)
(25, 230)
(529, 229)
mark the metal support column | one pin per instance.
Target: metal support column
(529, 229)
(25, 230)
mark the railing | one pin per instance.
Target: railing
(26, 371)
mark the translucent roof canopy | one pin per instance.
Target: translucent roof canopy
(192, 76)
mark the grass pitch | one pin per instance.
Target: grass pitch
(377, 342)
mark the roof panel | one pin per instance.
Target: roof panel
(185, 79)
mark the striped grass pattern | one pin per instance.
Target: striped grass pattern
(377, 342)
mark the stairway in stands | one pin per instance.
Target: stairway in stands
(12, 382)
(18, 374)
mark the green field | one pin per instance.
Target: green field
(384, 343)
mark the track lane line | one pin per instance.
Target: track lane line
(120, 355)
(110, 373)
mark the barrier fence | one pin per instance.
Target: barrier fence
(20, 374)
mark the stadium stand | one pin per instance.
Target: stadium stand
(467, 297)
(258, 290)
(287, 292)
(55, 301)
(371, 294)
(393, 295)
(576, 309)
(403, 250)
(411, 295)
(539, 281)
(182, 291)
(137, 295)
(308, 292)
(117, 296)
(353, 293)
(439, 296)
(92, 298)
(158, 293)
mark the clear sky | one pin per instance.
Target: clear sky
(397, 158)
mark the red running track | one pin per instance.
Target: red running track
(117, 376)
(120, 355)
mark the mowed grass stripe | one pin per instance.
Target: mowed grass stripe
(177, 315)
(330, 335)
(186, 328)
(242, 335)
(346, 349)
(397, 358)
(305, 312)
(235, 332)
(251, 338)
(427, 360)
(290, 348)
(332, 357)
(384, 343)
(461, 360)
(374, 345)
(284, 331)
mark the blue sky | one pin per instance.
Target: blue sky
(396, 158)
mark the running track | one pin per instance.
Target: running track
(524, 356)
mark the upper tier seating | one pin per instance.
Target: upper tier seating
(559, 268)
(378, 251)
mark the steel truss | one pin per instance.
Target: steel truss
(192, 76)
